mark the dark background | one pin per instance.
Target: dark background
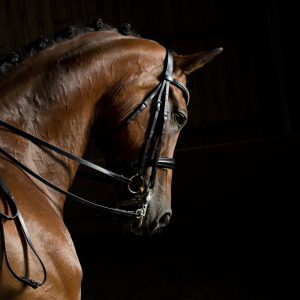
(234, 231)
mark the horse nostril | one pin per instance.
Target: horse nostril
(165, 219)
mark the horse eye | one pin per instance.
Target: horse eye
(180, 119)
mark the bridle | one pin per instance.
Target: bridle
(137, 184)
(160, 94)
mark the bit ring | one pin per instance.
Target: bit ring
(136, 184)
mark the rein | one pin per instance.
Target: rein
(16, 216)
(136, 184)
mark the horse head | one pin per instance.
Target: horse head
(147, 110)
(127, 93)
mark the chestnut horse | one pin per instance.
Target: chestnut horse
(125, 92)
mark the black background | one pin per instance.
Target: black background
(234, 229)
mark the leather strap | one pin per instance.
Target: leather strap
(71, 195)
(164, 162)
(75, 158)
(17, 217)
(184, 90)
(140, 108)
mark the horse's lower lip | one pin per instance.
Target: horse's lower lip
(137, 227)
(144, 229)
(137, 231)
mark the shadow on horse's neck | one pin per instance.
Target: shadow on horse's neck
(53, 96)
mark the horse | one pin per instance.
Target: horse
(126, 93)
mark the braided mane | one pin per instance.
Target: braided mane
(16, 58)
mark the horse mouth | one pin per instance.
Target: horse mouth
(143, 231)
(145, 225)
(131, 204)
(146, 231)
(138, 227)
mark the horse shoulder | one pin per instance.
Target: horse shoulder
(50, 238)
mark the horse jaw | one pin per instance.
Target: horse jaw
(157, 213)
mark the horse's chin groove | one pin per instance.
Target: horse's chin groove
(142, 232)
(145, 229)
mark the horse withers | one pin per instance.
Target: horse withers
(127, 93)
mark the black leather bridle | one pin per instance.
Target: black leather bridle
(137, 184)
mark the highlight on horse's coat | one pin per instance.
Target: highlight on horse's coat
(101, 83)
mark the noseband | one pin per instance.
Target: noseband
(137, 184)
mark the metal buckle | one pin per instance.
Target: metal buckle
(141, 212)
(136, 184)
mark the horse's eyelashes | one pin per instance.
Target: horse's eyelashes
(180, 119)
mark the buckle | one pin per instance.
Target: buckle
(136, 184)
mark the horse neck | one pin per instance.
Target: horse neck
(56, 97)
(56, 105)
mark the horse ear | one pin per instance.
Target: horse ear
(189, 63)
